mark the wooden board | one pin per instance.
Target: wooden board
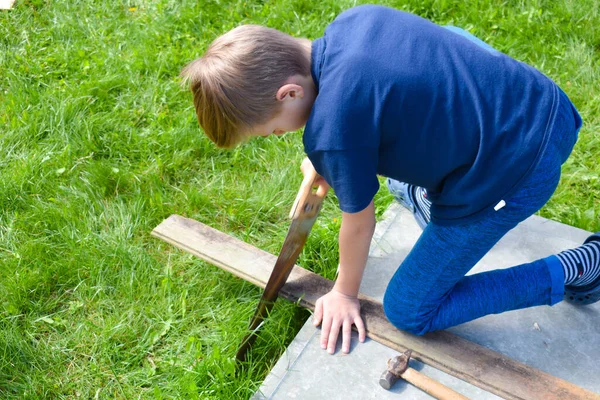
(450, 353)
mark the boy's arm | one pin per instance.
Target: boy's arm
(354, 241)
(339, 309)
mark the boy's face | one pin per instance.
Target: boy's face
(296, 101)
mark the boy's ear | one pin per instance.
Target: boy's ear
(290, 91)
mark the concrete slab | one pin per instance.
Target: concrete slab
(563, 340)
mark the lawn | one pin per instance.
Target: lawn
(99, 143)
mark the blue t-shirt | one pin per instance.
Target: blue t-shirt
(402, 97)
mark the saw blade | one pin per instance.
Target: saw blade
(305, 213)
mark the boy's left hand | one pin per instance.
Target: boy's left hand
(338, 311)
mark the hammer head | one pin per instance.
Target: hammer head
(399, 364)
(396, 367)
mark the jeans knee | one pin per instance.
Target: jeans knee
(404, 315)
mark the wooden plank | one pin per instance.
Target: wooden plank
(450, 353)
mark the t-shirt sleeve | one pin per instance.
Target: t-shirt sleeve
(351, 173)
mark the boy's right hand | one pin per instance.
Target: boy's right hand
(307, 168)
(338, 311)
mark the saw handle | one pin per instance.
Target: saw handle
(308, 203)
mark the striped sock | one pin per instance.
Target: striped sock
(582, 264)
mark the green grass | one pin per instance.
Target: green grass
(98, 144)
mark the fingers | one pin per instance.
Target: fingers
(346, 336)
(325, 329)
(318, 315)
(323, 186)
(306, 165)
(329, 337)
(335, 313)
(360, 326)
(333, 336)
(307, 169)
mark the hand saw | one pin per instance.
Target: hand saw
(303, 214)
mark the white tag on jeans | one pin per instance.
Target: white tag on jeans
(498, 206)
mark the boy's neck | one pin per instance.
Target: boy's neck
(307, 82)
(307, 47)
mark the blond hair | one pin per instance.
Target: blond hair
(235, 82)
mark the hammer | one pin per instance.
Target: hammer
(398, 368)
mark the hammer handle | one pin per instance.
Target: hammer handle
(430, 386)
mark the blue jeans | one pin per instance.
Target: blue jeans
(430, 291)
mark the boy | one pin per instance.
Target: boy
(388, 93)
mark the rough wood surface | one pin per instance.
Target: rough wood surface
(459, 357)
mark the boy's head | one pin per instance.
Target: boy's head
(247, 82)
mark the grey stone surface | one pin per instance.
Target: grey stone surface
(306, 371)
(563, 340)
